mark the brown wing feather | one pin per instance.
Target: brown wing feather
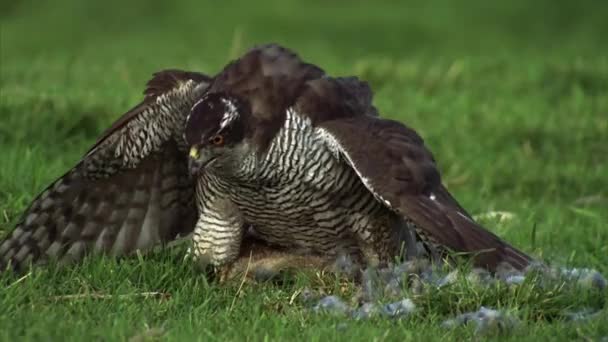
(162, 83)
(390, 158)
(121, 196)
(394, 164)
(269, 78)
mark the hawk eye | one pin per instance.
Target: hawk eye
(217, 140)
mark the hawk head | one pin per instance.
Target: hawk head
(215, 132)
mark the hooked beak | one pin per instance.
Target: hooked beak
(198, 160)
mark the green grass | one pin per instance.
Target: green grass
(512, 98)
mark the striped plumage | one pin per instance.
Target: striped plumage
(131, 191)
(304, 165)
(305, 160)
(296, 195)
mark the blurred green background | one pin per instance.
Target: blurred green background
(511, 97)
(160, 32)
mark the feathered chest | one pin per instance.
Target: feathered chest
(300, 192)
(297, 157)
(299, 171)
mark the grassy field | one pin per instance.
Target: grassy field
(512, 98)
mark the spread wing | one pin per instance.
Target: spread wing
(393, 163)
(131, 191)
(396, 167)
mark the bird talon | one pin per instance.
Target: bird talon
(223, 273)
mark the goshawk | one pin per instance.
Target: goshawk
(270, 149)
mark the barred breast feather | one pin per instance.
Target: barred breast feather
(389, 160)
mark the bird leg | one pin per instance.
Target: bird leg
(224, 272)
(218, 235)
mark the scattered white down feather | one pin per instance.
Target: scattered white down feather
(485, 320)
(389, 283)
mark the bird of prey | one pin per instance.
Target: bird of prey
(271, 148)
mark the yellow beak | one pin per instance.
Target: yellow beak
(194, 152)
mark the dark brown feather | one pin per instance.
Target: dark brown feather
(332, 98)
(166, 80)
(390, 156)
(269, 78)
(102, 205)
(161, 83)
(399, 169)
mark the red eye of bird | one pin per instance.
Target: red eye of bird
(217, 140)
